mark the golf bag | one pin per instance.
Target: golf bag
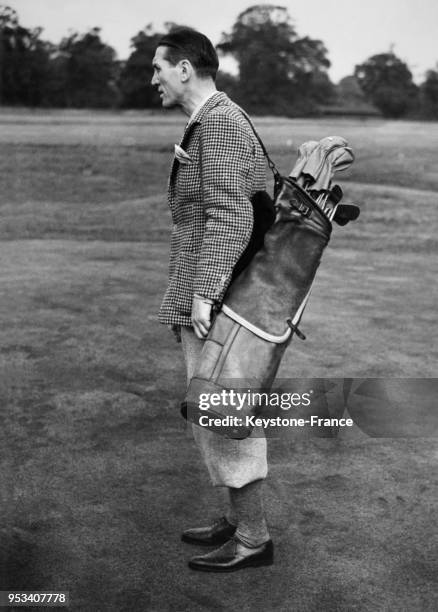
(260, 314)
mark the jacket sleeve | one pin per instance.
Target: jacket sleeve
(227, 159)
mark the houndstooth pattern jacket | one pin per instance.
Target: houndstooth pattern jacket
(209, 198)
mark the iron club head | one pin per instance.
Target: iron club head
(346, 213)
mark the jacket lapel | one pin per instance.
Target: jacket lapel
(175, 164)
(215, 100)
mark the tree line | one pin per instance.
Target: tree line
(280, 72)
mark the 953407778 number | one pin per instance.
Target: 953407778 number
(34, 598)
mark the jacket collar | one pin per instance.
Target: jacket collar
(215, 100)
(201, 104)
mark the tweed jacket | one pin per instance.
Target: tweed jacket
(209, 198)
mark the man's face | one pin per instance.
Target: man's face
(167, 79)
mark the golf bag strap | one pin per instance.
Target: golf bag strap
(293, 323)
(272, 166)
(254, 329)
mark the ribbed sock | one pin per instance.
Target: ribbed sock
(247, 508)
(231, 517)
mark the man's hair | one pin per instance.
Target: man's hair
(187, 43)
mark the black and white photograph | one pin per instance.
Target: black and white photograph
(218, 306)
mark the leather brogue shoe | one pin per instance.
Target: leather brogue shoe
(215, 534)
(232, 556)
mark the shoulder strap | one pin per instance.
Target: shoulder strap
(272, 166)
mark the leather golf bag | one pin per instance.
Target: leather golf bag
(259, 316)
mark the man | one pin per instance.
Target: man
(218, 167)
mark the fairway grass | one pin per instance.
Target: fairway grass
(98, 471)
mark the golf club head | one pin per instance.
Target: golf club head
(307, 147)
(341, 159)
(336, 194)
(335, 160)
(316, 165)
(332, 142)
(304, 151)
(346, 213)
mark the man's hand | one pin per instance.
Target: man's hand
(201, 316)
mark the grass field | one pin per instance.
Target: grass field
(92, 498)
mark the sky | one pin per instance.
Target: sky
(352, 30)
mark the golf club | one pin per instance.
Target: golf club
(333, 212)
(346, 213)
(336, 193)
(334, 197)
(304, 151)
(334, 161)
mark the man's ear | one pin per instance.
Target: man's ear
(186, 70)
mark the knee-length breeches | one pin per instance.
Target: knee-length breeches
(230, 463)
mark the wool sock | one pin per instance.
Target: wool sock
(225, 502)
(247, 507)
(231, 517)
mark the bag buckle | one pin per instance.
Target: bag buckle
(302, 208)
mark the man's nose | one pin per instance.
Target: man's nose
(154, 80)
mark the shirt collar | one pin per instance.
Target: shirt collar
(200, 105)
